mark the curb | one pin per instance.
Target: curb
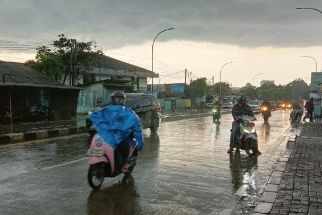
(39, 134)
(58, 132)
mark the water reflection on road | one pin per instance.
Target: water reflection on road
(183, 169)
(119, 198)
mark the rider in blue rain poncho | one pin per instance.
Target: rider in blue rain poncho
(118, 124)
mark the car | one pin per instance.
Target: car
(209, 105)
(227, 105)
(146, 106)
(279, 104)
(255, 105)
(286, 105)
(273, 105)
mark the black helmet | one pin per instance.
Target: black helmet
(118, 94)
(242, 98)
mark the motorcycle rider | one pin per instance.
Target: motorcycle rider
(309, 110)
(296, 112)
(239, 109)
(217, 107)
(266, 103)
(117, 125)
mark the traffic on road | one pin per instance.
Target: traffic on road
(183, 169)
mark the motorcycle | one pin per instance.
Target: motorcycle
(248, 136)
(266, 113)
(106, 162)
(296, 115)
(216, 114)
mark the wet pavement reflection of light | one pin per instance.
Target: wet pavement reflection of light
(184, 169)
(119, 198)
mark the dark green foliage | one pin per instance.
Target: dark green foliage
(197, 88)
(69, 58)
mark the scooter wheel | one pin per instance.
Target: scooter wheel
(130, 170)
(95, 175)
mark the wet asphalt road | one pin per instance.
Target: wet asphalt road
(183, 170)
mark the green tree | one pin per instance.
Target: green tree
(225, 89)
(290, 91)
(47, 63)
(249, 91)
(198, 88)
(297, 89)
(69, 58)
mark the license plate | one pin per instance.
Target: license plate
(95, 152)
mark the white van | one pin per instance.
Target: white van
(255, 105)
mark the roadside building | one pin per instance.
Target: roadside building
(25, 92)
(172, 96)
(316, 93)
(107, 75)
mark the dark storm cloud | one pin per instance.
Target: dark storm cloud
(113, 23)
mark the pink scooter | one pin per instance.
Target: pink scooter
(106, 162)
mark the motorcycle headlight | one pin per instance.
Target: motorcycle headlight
(264, 108)
(214, 110)
(250, 129)
(247, 131)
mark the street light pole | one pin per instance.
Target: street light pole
(255, 77)
(309, 8)
(168, 29)
(220, 99)
(316, 63)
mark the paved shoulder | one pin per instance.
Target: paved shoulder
(296, 184)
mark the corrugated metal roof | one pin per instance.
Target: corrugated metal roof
(111, 63)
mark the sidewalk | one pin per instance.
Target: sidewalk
(295, 186)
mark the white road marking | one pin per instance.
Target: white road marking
(64, 164)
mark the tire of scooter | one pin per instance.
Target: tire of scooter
(96, 172)
(251, 145)
(132, 162)
(130, 170)
(215, 117)
(266, 118)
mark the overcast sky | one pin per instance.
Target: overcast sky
(264, 39)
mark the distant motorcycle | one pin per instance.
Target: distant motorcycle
(296, 115)
(248, 136)
(216, 114)
(107, 162)
(266, 113)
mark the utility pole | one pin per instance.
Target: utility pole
(73, 57)
(185, 76)
(71, 64)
